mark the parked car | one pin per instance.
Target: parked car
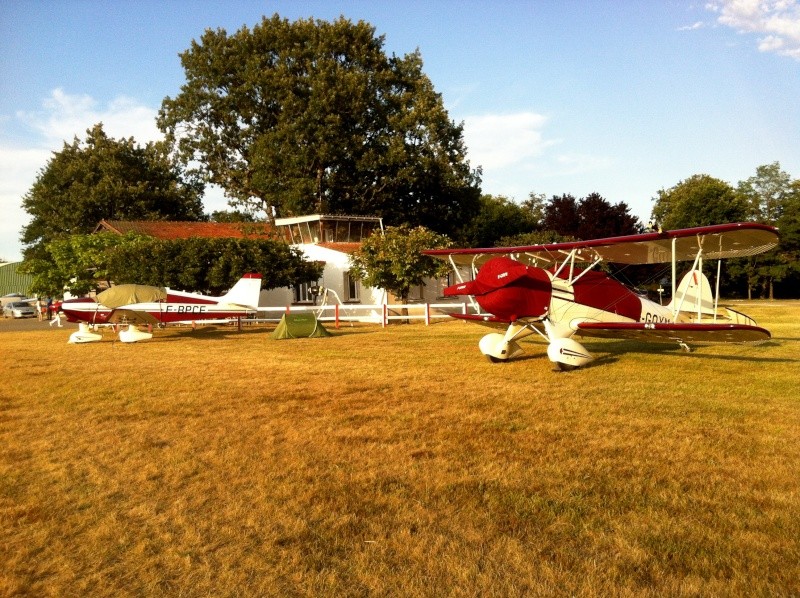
(12, 297)
(19, 309)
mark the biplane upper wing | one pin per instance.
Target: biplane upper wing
(717, 241)
(676, 331)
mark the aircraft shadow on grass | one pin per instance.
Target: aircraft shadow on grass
(615, 348)
(609, 352)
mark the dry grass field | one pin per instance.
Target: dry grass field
(398, 462)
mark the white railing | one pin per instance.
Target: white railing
(378, 314)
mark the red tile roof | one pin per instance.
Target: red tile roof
(185, 230)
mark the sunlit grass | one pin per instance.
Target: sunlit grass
(398, 462)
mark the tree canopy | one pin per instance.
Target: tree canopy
(591, 217)
(107, 178)
(769, 197)
(697, 201)
(766, 192)
(210, 265)
(312, 116)
(498, 217)
(394, 260)
(81, 263)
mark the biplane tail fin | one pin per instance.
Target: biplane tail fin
(245, 292)
(694, 295)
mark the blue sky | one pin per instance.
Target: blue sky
(621, 97)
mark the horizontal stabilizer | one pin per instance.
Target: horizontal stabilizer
(681, 332)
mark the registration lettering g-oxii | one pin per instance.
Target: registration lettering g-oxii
(657, 318)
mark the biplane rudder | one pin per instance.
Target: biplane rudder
(694, 295)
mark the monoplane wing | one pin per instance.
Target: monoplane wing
(132, 316)
(675, 331)
(718, 241)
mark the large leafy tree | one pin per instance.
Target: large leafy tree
(81, 263)
(210, 265)
(771, 197)
(498, 217)
(561, 214)
(76, 262)
(788, 252)
(703, 200)
(312, 116)
(698, 201)
(106, 178)
(766, 192)
(591, 217)
(394, 260)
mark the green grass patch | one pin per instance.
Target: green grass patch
(398, 462)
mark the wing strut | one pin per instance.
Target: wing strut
(698, 259)
(570, 259)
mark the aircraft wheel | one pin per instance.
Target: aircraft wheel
(493, 359)
(565, 367)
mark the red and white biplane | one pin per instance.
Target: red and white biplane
(557, 292)
(134, 304)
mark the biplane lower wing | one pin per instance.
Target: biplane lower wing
(495, 322)
(671, 332)
(492, 321)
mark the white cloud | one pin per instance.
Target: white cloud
(497, 141)
(61, 118)
(571, 164)
(516, 154)
(64, 116)
(692, 27)
(777, 20)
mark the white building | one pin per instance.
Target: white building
(323, 238)
(331, 240)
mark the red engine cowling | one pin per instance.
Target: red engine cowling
(508, 289)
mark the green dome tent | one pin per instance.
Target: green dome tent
(304, 325)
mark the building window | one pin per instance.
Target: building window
(352, 288)
(306, 292)
(447, 281)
